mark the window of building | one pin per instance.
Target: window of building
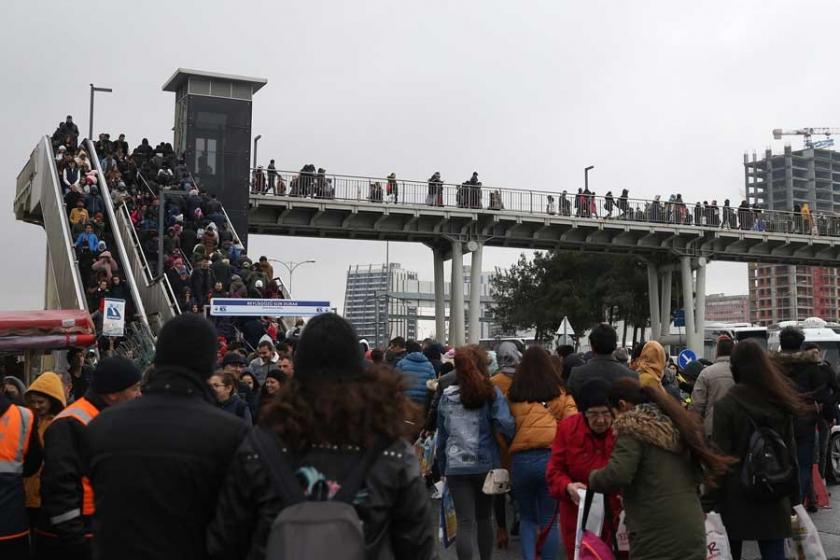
(205, 156)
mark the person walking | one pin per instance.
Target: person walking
(713, 383)
(603, 365)
(267, 358)
(334, 412)
(67, 499)
(224, 386)
(651, 366)
(165, 454)
(20, 456)
(418, 370)
(537, 402)
(468, 414)
(658, 463)
(761, 397)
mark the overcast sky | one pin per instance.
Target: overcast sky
(661, 96)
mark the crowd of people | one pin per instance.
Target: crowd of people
(217, 452)
(313, 183)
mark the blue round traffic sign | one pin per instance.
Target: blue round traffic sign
(686, 357)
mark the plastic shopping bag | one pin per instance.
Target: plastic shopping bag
(717, 541)
(424, 449)
(589, 523)
(622, 538)
(448, 521)
(806, 543)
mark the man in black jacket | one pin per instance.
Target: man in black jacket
(603, 365)
(157, 463)
(67, 500)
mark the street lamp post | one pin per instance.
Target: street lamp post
(94, 89)
(256, 139)
(290, 266)
(586, 176)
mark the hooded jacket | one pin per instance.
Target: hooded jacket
(508, 357)
(465, 442)
(651, 364)
(744, 518)
(660, 481)
(418, 369)
(49, 385)
(166, 452)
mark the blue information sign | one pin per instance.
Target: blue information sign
(235, 307)
(679, 317)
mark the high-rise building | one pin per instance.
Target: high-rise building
(721, 308)
(785, 182)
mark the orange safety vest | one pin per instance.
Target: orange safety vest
(83, 411)
(16, 426)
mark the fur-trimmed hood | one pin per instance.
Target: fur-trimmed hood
(650, 425)
(795, 358)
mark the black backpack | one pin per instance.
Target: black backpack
(767, 471)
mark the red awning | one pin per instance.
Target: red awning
(54, 329)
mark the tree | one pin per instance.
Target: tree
(536, 294)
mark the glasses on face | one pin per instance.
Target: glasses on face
(596, 415)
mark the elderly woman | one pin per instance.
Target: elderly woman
(582, 444)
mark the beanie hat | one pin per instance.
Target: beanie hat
(113, 375)
(328, 350)
(275, 373)
(593, 393)
(234, 358)
(12, 380)
(189, 342)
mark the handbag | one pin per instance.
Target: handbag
(497, 481)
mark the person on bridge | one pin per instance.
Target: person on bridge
(20, 456)
(713, 383)
(272, 179)
(67, 499)
(341, 411)
(392, 189)
(267, 359)
(164, 455)
(435, 193)
(603, 365)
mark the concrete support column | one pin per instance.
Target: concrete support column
(440, 299)
(665, 303)
(688, 304)
(475, 295)
(653, 299)
(700, 299)
(456, 296)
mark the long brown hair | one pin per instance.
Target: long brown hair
(536, 379)
(751, 365)
(715, 465)
(474, 386)
(344, 412)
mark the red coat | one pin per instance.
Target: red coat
(575, 453)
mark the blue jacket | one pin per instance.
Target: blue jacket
(417, 367)
(88, 239)
(465, 440)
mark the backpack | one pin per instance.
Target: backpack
(314, 529)
(767, 472)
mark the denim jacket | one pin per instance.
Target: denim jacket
(465, 440)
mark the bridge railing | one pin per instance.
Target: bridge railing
(401, 192)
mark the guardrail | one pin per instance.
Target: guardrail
(483, 198)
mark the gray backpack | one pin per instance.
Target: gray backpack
(314, 529)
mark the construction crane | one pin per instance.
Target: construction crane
(807, 133)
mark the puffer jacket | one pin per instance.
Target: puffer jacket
(48, 384)
(536, 422)
(395, 511)
(417, 367)
(465, 442)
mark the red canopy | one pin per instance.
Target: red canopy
(54, 329)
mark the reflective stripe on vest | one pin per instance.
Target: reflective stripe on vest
(84, 411)
(15, 431)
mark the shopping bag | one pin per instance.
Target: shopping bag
(717, 541)
(820, 491)
(496, 482)
(590, 522)
(806, 543)
(622, 538)
(448, 521)
(424, 449)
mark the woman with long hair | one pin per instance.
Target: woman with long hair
(659, 461)
(334, 415)
(538, 402)
(469, 412)
(761, 397)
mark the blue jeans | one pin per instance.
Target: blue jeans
(536, 506)
(805, 457)
(770, 550)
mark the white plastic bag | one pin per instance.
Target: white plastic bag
(717, 541)
(622, 538)
(806, 543)
(595, 522)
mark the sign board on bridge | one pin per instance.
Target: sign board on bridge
(679, 317)
(686, 357)
(246, 307)
(113, 319)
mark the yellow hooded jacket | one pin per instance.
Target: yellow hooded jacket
(651, 364)
(49, 384)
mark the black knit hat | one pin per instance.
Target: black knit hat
(113, 375)
(187, 341)
(593, 393)
(328, 350)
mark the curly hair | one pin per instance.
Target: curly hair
(343, 412)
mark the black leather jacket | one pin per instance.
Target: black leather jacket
(396, 512)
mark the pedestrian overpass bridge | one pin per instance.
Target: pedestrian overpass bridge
(453, 219)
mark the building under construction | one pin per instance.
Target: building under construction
(785, 182)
